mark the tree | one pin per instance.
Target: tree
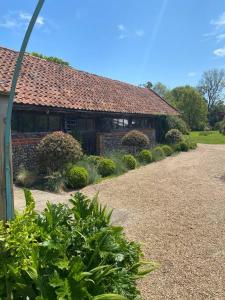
(161, 89)
(147, 85)
(51, 58)
(192, 106)
(212, 86)
(216, 113)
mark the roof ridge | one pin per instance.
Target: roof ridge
(71, 67)
(71, 88)
(165, 100)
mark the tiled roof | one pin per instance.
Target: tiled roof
(50, 84)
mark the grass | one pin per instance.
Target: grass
(207, 137)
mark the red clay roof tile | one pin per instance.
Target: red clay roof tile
(50, 84)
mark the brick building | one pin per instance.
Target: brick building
(97, 110)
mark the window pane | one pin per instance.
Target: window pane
(15, 122)
(41, 123)
(54, 123)
(120, 123)
(27, 122)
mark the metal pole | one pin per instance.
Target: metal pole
(7, 134)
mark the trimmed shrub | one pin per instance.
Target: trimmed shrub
(157, 153)
(77, 177)
(183, 146)
(94, 159)
(145, 156)
(117, 158)
(130, 161)
(167, 150)
(192, 145)
(56, 150)
(26, 178)
(135, 139)
(93, 175)
(68, 253)
(106, 167)
(173, 136)
(55, 182)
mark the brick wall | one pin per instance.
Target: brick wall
(108, 142)
(24, 150)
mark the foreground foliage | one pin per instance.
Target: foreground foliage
(68, 253)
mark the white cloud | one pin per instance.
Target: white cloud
(192, 74)
(220, 37)
(218, 28)
(25, 16)
(121, 27)
(139, 32)
(122, 31)
(18, 19)
(219, 22)
(125, 33)
(220, 52)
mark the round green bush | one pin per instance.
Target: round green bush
(135, 138)
(167, 150)
(192, 145)
(56, 150)
(183, 146)
(77, 177)
(145, 156)
(106, 167)
(173, 136)
(130, 161)
(157, 153)
(94, 159)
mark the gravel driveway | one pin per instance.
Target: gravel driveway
(176, 209)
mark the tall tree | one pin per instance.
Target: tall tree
(161, 89)
(192, 106)
(212, 86)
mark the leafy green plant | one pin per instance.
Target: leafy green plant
(77, 177)
(55, 182)
(94, 159)
(192, 145)
(51, 58)
(174, 122)
(130, 161)
(106, 167)
(157, 153)
(93, 175)
(182, 146)
(173, 136)
(167, 150)
(26, 178)
(117, 158)
(145, 156)
(68, 253)
(56, 150)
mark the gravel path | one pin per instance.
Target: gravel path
(176, 209)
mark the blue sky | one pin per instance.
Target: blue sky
(172, 41)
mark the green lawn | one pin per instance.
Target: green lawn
(210, 137)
